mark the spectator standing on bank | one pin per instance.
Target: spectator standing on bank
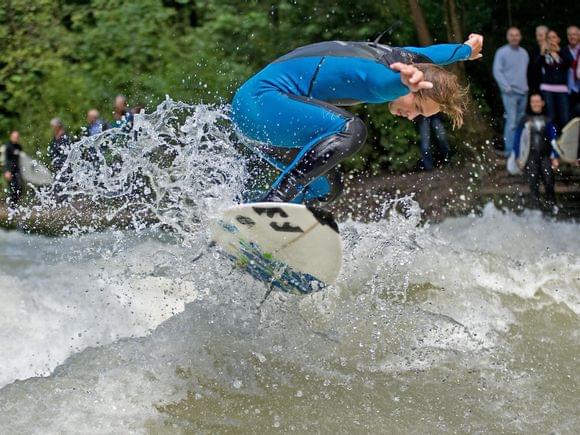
(425, 125)
(95, 125)
(59, 145)
(555, 63)
(58, 152)
(122, 116)
(510, 66)
(12, 172)
(573, 34)
(534, 68)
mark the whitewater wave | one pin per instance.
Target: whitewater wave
(456, 326)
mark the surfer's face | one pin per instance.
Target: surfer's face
(410, 106)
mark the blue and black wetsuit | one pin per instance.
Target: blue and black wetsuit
(291, 105)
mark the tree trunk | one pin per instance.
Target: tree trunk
(454, 31)
(421, 27)
(476, 128)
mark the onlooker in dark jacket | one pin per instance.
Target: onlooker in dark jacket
(555, 63)
(59, 145)
(12, 168)
(510, 66)
(58, 153)
(122, 116)
(573, 34)
(425, 125)
(538, 133)
(534, 68)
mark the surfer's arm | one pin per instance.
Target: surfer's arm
(398, 81)
(388, 86)
(444, 54)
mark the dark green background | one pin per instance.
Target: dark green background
(60, 58)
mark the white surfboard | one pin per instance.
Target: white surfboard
(568, 142)
(292, 247)
(32, 170)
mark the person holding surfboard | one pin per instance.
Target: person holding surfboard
(293, 105)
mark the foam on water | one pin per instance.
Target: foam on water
(469, 325)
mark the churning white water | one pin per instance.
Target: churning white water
(471, 325)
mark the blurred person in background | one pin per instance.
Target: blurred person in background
(534, 68)
(95, 125)
(426, 123)
(573, 34)
(12, 173)
(537, 133)
(555, 63)
(59, 145)
(122, 116)
(57, 152)
(510, 66)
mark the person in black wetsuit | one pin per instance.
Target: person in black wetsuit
(12, 168)
(539, 132)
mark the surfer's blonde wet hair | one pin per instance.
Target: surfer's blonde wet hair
(451, 96)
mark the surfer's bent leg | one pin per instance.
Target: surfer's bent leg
(318, 157)
(322, 190)
(318, 134)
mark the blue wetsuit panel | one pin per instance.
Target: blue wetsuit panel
(444, 54)
(277, 119)
(343, 79)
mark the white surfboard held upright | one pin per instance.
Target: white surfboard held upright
(32, 170)
(289, 246)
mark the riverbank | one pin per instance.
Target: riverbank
(444, 192)
(455, 191)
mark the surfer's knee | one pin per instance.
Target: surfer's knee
(357, 133)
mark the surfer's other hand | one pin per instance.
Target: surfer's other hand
(411, 77)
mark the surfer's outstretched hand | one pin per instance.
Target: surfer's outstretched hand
(411, 77)
(475, 41)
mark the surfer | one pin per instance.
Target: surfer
(292, 105)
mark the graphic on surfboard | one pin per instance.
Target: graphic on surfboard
(291, 247)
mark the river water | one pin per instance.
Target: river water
(470, 325)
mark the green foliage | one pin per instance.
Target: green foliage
(62, 57)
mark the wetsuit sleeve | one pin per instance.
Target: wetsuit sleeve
(444, 54)
(389, 86)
